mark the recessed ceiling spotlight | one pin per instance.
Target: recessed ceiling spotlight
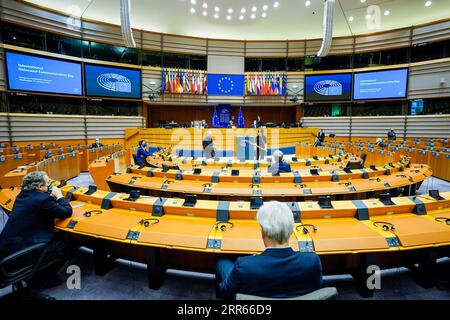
(230, 10)
(265, 7)
(216, 16)
(253, 16)
(276, 4)
(228, 17)
(192, 10)
(193, 1)
(216, 9)
(243, 10)
(241, 17)
(368, 16)
(428, 3)
(362, 1)
(307, 3)
(205, 13)
(254, 9)
(264, 15)
(205, 5)
(387, 12)
(351, 18)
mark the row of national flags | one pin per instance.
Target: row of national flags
(181, 81)
(265, 83)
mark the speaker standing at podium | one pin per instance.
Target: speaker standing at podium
(208, 145)
(261, 143)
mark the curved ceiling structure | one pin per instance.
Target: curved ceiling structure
(257, 19)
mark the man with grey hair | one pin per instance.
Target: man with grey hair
(97, 143)
(32, 218)
(279, 165)
(278, 272)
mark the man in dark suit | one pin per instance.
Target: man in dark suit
(261, 144)
(391, 135)
(97, 143)
(278, 272)
(279, 166)
(33, 215)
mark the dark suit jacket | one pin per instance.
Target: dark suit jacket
(279, 167)
(32, 220)
(97, 145)
(275, 273)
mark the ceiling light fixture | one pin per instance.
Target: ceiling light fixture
(243, 10)
(216, 16)
(253, 16)
(241, 17)
(192, 10)
(307, 3)
(265, 7)
(362, 1)
(205, 13)
(216, 9)
(368, 16)
(276, 4)
(264, 15)
(193, 1)
(254, 9)
(351, 18)
(387, 12)
(228, 17)
(230, 10)
(205, 5)
(428, 3)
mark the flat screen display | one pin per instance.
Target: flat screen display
(104, 81)
(38, 74)
(386, 84)
(328, 87)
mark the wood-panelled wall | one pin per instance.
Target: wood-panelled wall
(187, 113)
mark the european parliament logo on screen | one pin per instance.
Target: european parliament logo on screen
(37, 74)
(226, 84)
(329, 87)
(102, 81)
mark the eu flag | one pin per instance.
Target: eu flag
(240, 119)
(226, 84)
(215, 119)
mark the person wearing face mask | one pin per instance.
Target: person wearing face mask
(33, 215)
(143, 153)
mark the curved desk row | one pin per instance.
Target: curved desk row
(166, 233)
(360, 188)
(315, 173)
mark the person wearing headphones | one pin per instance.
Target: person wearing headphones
(142, 154)
(32, 221)
(279, 166)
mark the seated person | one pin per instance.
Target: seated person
(278, 272)
(142, 154)
(379, 143)
(231, 124)
(97, 143)
(279, 166)
(208, 145)
(254, 124)
(204, 124)
(32, 218)
(391, 135)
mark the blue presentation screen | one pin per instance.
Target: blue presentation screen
(37, 74)
(328, 87)
(389, 84)
(103, 81)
